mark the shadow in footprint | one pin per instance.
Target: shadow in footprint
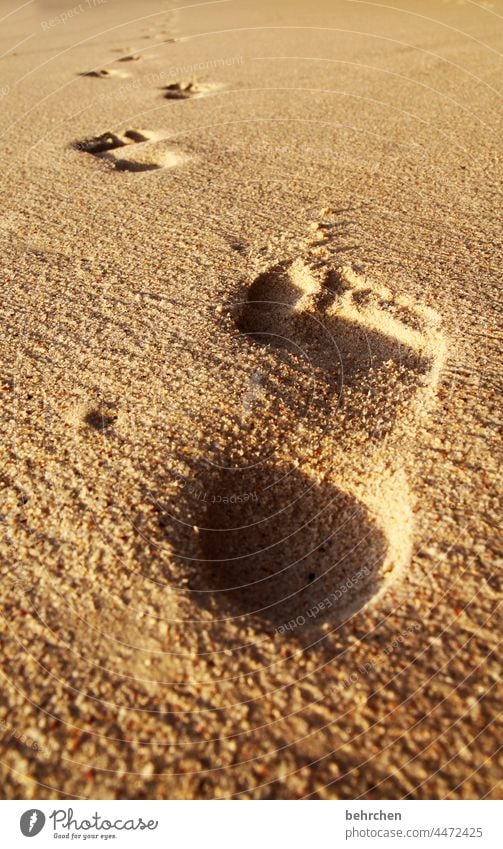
(99, 420)
(282, 548)
(131, 164)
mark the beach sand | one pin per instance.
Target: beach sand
(249, 399)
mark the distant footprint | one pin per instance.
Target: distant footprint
(132, 57)
(188, 89)
(277, 542)
(137, 152)
(104, 73)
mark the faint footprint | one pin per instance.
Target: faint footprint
(138, 151)
(278, 542)
(132, 57)
(104, 73)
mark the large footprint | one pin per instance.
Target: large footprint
(297, 547)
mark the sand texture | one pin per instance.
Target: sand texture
(251, 278)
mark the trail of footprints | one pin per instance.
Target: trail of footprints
(302, 544)
(145, 156)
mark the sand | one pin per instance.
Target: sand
(250, 381)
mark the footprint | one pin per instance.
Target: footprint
(294, 548)
(132, 57)
(137, 151)
(189, 88)
(104, 73)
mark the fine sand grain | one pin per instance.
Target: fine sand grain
(250, 258)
